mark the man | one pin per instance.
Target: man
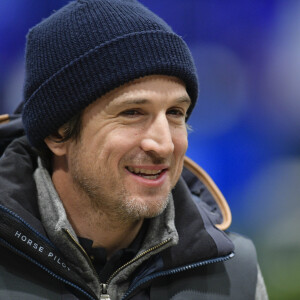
(94, 200)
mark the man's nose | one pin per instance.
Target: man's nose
(158, 137)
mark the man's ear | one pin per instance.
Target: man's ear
(56, 144)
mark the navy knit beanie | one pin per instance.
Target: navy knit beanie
(90, 47)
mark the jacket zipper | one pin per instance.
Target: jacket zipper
(175, 271)
(104, 294)
(136, 258)
(104, 286)
(81, 249)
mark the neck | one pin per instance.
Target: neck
(102, 226)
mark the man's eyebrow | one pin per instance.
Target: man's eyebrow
(183, 99)
(135, 101)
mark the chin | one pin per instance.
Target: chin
(150, 208)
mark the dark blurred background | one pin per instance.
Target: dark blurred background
(246, 127)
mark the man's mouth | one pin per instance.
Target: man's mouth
(145, 173)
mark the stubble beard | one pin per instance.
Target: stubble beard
(121, 207)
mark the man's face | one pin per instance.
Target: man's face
(131, 148)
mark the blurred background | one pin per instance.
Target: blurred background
(246, 127)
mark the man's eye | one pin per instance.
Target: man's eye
(176, 112)
(130, 112)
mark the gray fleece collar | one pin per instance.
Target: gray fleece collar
(53, 214)
(57, 226)
(55, 222)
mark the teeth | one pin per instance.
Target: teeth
(150, 177)
(144, 172)
(149, 174)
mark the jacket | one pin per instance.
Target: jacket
(186, 254)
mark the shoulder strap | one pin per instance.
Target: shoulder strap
(213, 189)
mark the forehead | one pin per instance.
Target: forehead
(145, 89)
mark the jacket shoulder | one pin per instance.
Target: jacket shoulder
(233, 279)
(243, 266)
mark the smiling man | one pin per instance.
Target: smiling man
(126, 161)
(97, 198)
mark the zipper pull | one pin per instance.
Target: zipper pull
(104, 294)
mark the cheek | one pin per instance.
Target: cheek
(180, 142)
(180, 147)
(115, 146)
